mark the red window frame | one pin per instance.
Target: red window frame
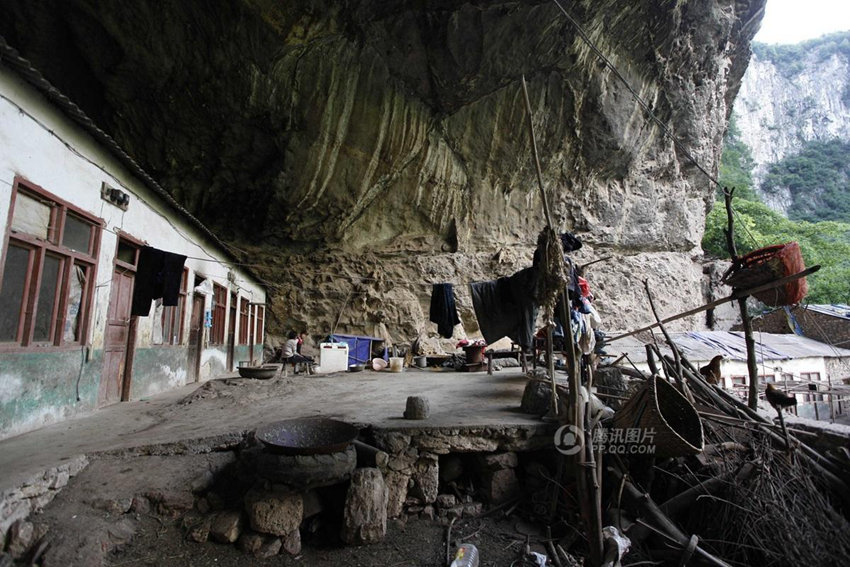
(244, 320)
(173, 316)
(219, 313)
(259, 320)
(40, 248)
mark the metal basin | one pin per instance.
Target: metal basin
(308, 436)
(258, 372)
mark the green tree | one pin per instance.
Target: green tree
(825, 243)
(736, 164)
(818, 178)
(818, 171)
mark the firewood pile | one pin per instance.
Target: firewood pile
(755, 494)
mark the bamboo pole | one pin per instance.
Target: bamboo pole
(593, 474)
(550, 352)
(536, 158)
(678, 374)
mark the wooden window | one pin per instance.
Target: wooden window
(259, 321)
(219, 311)
(739, 381)
(47, 270)
(810, 376)
(244, 320)
(767, 378)
(168, 319)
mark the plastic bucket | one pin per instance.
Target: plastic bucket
(396, 363)
(421, 361)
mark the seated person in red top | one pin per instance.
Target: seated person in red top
(290, 352)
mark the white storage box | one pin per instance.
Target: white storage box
(333, 357)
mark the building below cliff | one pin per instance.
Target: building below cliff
(89, 241)
(812, 370)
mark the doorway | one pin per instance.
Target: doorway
(231, 332)
(196, 338)
(119, 341)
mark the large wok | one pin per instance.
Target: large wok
(307, 436)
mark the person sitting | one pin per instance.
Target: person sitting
(290, 354)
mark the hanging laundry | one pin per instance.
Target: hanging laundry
(570, 242)
(583, 287)
(158, 274)
(507, 307)
(443, 310)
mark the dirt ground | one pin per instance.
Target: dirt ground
(133, 510)
(152, 462)
(415, 543)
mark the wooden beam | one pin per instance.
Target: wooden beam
(736, 295)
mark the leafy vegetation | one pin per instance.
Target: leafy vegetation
(826, 243)
(791, 59)
(818, 178)
(736, 164)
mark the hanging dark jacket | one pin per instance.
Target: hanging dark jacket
(443, 311)
(158, 274)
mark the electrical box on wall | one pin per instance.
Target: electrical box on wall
(115, 196)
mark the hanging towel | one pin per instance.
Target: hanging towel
(158, 274)
(507, 307)
(443, 310)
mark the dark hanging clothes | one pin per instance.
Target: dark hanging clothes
(507, 307)
(158, 274)
(443, 309)
(570, 242)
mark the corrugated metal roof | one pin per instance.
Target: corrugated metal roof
(834, 309)
(704, 345)
(10, 57)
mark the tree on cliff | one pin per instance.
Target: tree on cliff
(826, 242)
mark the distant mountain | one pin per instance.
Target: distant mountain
(793, 113)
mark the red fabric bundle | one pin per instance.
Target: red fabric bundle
(766, 265)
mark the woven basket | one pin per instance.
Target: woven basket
(766, 265)
(660, 407)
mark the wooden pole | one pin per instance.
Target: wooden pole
(752, 365)
(716, 302)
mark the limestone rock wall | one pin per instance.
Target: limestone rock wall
(779, 110)
(357, 152)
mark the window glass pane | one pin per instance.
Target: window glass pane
(12, 293)
(158, 322)
(127, 253)
(77, 234)
(46, 299)
(71, 333)
(31, 216)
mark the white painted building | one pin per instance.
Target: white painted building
(795, 364)
(76, 214)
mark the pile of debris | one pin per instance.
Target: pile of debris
(686, 470)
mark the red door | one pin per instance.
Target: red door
(115, 381)
(231, 332)
(196, 337)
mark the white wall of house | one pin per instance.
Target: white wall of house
(796, 368)
(40, 144)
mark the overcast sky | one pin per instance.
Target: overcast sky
(793, 21)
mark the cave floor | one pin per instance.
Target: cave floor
(220, 411)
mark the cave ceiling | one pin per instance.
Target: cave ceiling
(387, 127)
